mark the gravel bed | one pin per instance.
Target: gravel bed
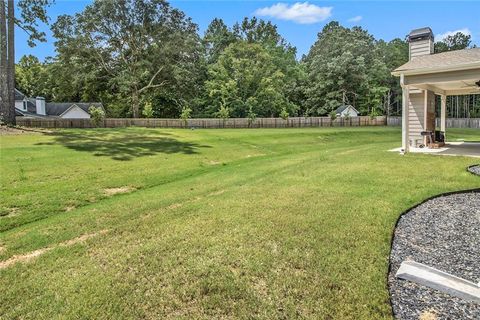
(443, 233)
(475, 169)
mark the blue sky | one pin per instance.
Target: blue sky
(299, 22)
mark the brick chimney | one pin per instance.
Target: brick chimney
(420, 42)
(40, 106)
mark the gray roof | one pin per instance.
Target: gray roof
(19, 95)
(343, 107)
(58, 108)
(444, 59)
(54, 109)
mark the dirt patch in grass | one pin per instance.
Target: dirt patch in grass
(113, 191)
(173, 206)
(216, 193)
(69, 208)
(9, 212)
(31, 255)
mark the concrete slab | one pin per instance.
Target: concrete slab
(439, 280)
(467, 149)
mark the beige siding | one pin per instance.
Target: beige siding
(416, 112)
(421, 48)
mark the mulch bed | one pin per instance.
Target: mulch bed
(475, 169)
(443, 233)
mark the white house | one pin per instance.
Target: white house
(36, 108)
(346, 111)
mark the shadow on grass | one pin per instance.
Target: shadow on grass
(121, 145)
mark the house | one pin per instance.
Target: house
(37, 108)
(346, 111)
(427, 75)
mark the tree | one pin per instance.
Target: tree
(30, 12)
(138, 46)
(246, 76)
(252, 116)
(458, 41)
(147, 111)
(97, 115)
(30, 76)
(284, 114)
(343, 67)
(216, 39)
(223, 113)
(186, 114)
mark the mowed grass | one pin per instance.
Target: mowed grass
(199, 224)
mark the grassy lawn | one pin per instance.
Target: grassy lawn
(155, 223)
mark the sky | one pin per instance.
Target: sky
(299, 22)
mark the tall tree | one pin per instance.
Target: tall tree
(458, 41)
(139, 44)
(216, 39)
(246, 78)
(31, 11)
(344, 66)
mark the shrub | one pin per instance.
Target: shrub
(186, 114)
(284, 114)
(252, 116)
(148, 110)
(223, 113)
(97, 115)
(332, 115)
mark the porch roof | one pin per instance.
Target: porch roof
(448, 73)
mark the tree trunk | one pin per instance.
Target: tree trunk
(135, 104)
(4, 103)
(11, 62)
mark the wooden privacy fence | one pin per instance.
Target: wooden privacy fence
(450, 122)
(298, 122)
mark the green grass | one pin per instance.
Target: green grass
(280, 223)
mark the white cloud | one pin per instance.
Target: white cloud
(355, 19)
(304, 13)
(442, 36)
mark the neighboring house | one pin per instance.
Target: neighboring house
(346, 111)
(37, 108)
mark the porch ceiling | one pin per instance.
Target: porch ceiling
(458, 82)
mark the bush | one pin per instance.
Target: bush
(333, 115)
(284, 114)
(223, 113)
(252, 116)
(97, 115)
(186, 114)
(148, 110)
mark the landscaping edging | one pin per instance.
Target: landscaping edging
(475, 169)
(431, 232)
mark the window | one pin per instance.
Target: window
(24, 105)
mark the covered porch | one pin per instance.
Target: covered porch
(425, 77)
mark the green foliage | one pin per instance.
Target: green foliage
(333, 115)
(97, 115)
(343, 66)
(162, 55)
(246, 75)
(186, 114)
(223, 112)
(251, 116)
(148, 110)
(458, 41)
(284, 114)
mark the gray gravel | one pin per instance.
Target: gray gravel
(475, 169)
(443, 233)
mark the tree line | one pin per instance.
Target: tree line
(146, 58)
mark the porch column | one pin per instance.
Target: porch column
(405, 118)
(443, 112)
